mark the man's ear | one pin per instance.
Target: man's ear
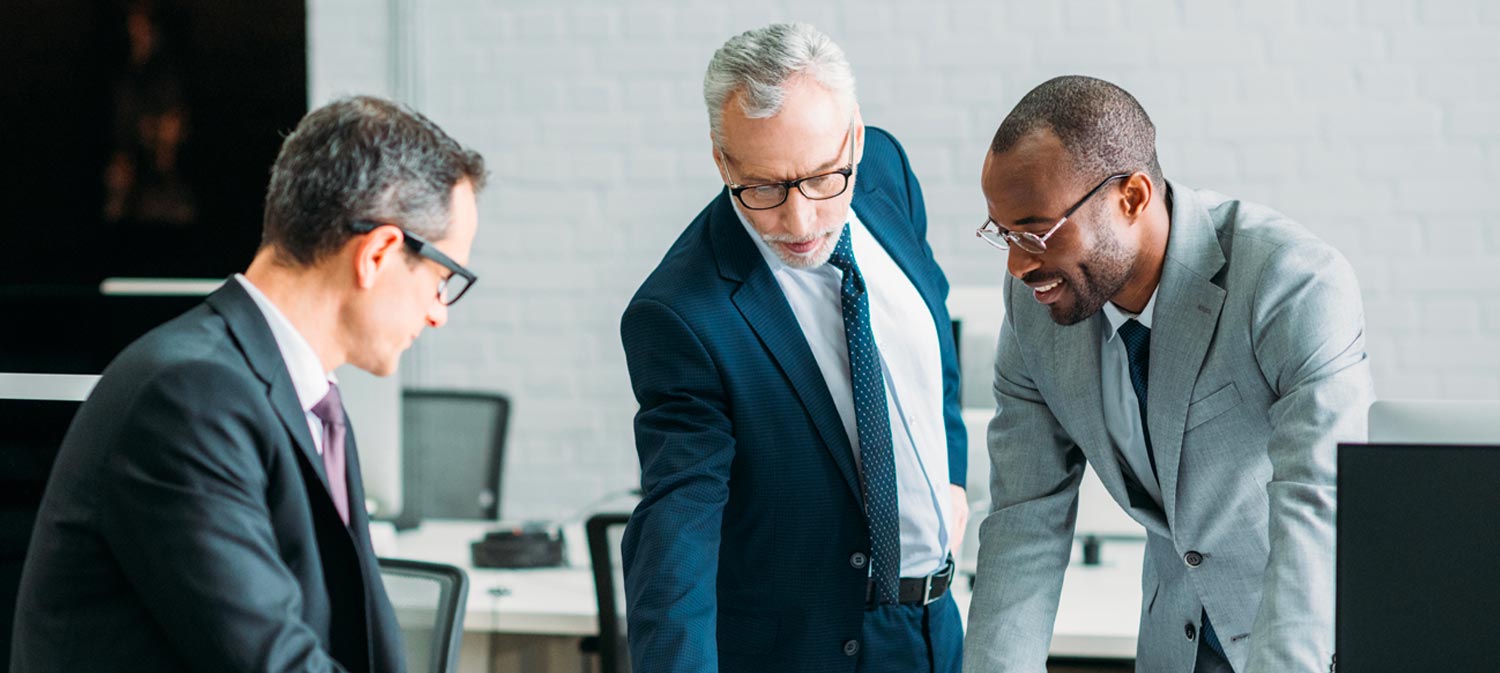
(1137, 193)
(374, 252)
(859, 136)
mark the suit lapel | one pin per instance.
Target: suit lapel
(1187, 310)
(248, 327)
(763, 305)
(1074, 359)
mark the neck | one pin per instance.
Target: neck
(1145, 275)
(301, 294)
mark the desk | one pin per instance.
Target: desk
(543, 601)
(1098, 613)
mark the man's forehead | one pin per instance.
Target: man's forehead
(810, 121)
(786, 155)
(1022, 188)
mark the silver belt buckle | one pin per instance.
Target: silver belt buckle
(947, 569)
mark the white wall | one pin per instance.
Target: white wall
(1376, 124)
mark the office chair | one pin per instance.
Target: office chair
(604, 532)
(453, 451)
(429, 599)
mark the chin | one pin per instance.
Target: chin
(1068, 313)
(389, 366)
(383, 367)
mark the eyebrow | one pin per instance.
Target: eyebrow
(1028, 221)
(750, 178)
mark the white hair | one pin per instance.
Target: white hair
(760, 63)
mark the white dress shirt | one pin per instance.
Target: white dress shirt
(308, 377)
(912, 365)
(1122, 414)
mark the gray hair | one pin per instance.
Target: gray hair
(760, 62)
(1103, 128)
(362, 158)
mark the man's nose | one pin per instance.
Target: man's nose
(1019, 262)
(799, 214)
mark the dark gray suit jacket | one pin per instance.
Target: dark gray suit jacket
(187, 524)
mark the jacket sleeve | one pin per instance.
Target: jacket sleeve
(186, 517)
(671, 544)
(1026, 540)
(1308, 337)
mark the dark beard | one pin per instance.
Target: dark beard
(1099, 277)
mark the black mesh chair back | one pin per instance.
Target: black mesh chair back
(452, 454)
(429, 599)
(604, 531)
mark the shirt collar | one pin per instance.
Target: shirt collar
(308, 377)
(1117, 316)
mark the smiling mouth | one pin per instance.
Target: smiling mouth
(1047, 293)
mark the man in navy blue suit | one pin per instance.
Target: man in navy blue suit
(801, 449)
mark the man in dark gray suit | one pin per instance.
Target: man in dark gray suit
(205, 512)
(1204, 354)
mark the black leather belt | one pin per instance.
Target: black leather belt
(918, 590)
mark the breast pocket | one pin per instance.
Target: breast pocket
(1213, 405)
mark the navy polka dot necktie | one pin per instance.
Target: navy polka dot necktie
(1137, 340)
(872, 417)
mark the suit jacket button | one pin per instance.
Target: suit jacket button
(851, 648)
(858, 560)
(1193, 559)
(1191, 631)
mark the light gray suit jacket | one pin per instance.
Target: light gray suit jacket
(1258, 370)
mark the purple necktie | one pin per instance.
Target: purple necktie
(330, 410)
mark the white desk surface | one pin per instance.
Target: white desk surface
(1097, 615)
(549, 601)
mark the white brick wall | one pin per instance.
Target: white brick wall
(1376, 123)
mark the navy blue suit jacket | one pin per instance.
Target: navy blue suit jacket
(738, 556)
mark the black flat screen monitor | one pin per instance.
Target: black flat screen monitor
(35, 412)
(1418, 545)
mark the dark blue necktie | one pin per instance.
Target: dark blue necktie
(872, 417)
(1137, 340)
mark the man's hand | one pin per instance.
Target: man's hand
(960, 520)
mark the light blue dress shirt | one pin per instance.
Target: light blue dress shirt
(913, 370)
(1122, 414)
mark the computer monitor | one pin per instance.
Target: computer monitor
(35, 411)
(1417, 544)
(1417, 539)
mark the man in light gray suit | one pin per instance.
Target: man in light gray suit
(1236, 336)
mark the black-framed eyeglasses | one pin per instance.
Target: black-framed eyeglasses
(451, 288)
(815, 187)
(1002, 238)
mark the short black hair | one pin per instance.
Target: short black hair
(1103, 128)
(362, 158)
